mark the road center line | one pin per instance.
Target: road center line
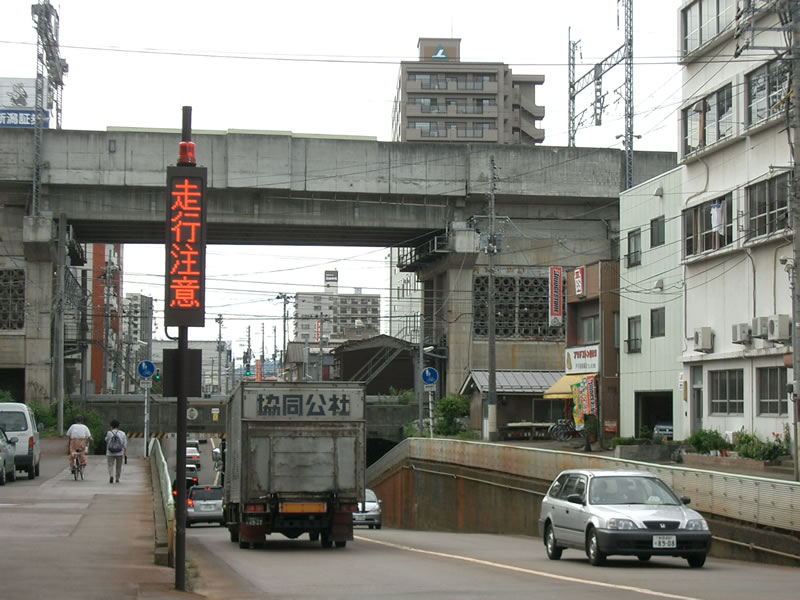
(487, 563)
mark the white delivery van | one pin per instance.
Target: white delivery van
(17, 420)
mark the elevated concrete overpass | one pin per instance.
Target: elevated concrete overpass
(284, 189)
(561, 206)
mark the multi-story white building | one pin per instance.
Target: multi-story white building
(137, 335)
(651, 306)
(735, 154)
(335, 317)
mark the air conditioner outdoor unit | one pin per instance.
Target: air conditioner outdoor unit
(741, 333)
(760, 327)
(703, 339)
(779, 328)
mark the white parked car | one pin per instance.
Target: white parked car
(605, 512)
(17, 420)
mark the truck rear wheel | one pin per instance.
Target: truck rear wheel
(341, 544)
(244, 545)
(326, 541)
(234, 531)
(313, 535)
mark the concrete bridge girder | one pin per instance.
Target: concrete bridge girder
(270, 189)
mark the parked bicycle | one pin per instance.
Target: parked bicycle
(563, 430)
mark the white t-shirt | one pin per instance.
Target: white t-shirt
(78, 431)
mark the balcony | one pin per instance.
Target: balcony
(414, 259)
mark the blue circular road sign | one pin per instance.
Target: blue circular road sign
(146, 369)
(429, 375)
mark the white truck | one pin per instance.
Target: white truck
(295, 461)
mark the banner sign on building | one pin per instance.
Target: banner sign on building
(555, 294)
(580, 274)
(584, 400)
(18, 103)
(184, 297)
(582, 359)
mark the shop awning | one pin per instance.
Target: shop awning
(561, 389)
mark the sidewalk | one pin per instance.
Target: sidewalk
(70, 539)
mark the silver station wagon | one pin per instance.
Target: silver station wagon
(605, 512)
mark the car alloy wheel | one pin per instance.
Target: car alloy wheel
(596, 558)
(553, 551)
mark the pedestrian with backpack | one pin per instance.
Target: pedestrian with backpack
(116, 450)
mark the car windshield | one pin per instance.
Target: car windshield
(370, 496)
(627, 489)
(206, 493)
(13, 420)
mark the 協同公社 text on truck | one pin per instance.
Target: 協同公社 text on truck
(295, 461)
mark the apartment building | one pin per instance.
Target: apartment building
(137, 336)
(441, 99)
(335, 317)
(735, 243)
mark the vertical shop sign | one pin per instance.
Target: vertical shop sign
(556, 307)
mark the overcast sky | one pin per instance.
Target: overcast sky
(329, 68)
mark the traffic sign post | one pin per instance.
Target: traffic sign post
(145, 368)
(429, 378)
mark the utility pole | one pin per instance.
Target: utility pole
(58, 342)
(285, 298)
(420, 365)
(491, 251)
(795, 213)
(220, 349)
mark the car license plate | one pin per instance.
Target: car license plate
(206, 507)
(358, 517)
(664, 541)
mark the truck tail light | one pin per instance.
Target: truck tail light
(30, 443)
(348, 508)
(254, 508)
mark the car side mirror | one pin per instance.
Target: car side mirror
(40, 427)
(685, 499)
(575, 498)
(13, 440)
(216, 454)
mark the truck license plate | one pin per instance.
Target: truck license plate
(664, 541)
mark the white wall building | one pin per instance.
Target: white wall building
(735, 152)
(651, 306)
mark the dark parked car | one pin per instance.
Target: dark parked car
(605, 512)
(369, 512)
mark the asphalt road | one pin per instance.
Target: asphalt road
(391, 563)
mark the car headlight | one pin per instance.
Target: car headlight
(621, 524)
(697, 525)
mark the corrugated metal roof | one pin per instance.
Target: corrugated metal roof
(510, 382)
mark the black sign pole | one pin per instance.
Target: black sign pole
(180, 460)
(180, 450)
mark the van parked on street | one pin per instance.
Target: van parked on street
(17, 420)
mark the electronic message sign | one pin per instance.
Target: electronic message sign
(184, 297)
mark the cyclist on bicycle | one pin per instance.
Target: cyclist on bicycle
(79, 435)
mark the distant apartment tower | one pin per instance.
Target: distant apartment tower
(333, 316)
(137, 335)
(439, 98)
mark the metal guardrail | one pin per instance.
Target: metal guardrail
(158, 463)
(747, 498)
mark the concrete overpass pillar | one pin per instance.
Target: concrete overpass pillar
(38, 234)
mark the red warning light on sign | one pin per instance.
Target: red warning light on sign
(185, 247)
